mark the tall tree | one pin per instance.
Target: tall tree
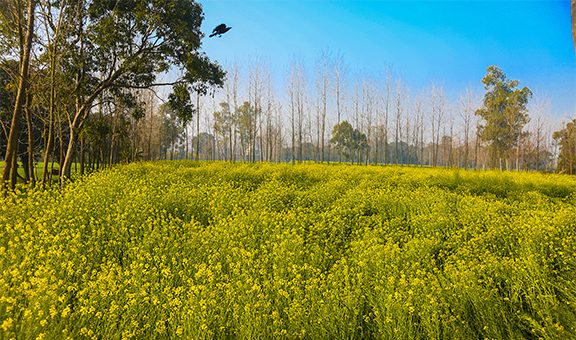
(339, 70)
(123, 45)
(504, 114)
(10, 165)
(348, 139)
(466, 113)
(437, 119)
(322, 88)
(342, 138)
(566, 138)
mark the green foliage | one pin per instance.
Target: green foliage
(216, 250)
(223, 119)
(348, 139)
(567, 140)
(504, 113)
(180, 103)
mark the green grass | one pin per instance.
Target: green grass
(38, 170)
(204, 250)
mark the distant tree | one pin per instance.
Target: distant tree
(223, 123)
(504, 114)
(466, 113)
(437, 120)
(297, 93)
(206, 143)
(348, 140)
(246, 115)
(342, 135)
(339, 70)
(566, 138)
(359, 143)
(386, 116)
(322, 88)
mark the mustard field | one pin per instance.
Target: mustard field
(217, 250)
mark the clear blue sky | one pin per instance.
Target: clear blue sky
(449, 43)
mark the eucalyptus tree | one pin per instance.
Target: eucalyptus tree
(504, 114)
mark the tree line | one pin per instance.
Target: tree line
(81, 89)
(323, 118)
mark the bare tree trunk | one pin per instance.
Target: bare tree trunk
(81, 158)
(293, 115)
(397, 136)
(386, 112)
(197, 156)
(11, 165)
(338, 84)
(32, 177)
(368, 99)
(467, 112)
(112, 141)
(324, 101)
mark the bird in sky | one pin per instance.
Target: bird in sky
(219, 30)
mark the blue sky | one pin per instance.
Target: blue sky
(447, 43)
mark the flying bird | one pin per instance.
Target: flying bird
(219, 30)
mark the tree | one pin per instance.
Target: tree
(348, 139)
(342, 137)
(297, 93)
(11, 166)
(6, 106)
(504, 114)
(223, 124)
(566, 138)
(339, 70)
(437, 119)
(124, 45)
(466, 113)
(322, 88)
(246, 116)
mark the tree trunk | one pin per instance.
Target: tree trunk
(197, 157)
(10, 166)
(30, 158)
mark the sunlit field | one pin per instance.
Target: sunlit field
(204, 250)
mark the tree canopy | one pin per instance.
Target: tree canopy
(348, 139)
(503, 112)
(566, 138)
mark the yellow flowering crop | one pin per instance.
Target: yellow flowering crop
(218, 250)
